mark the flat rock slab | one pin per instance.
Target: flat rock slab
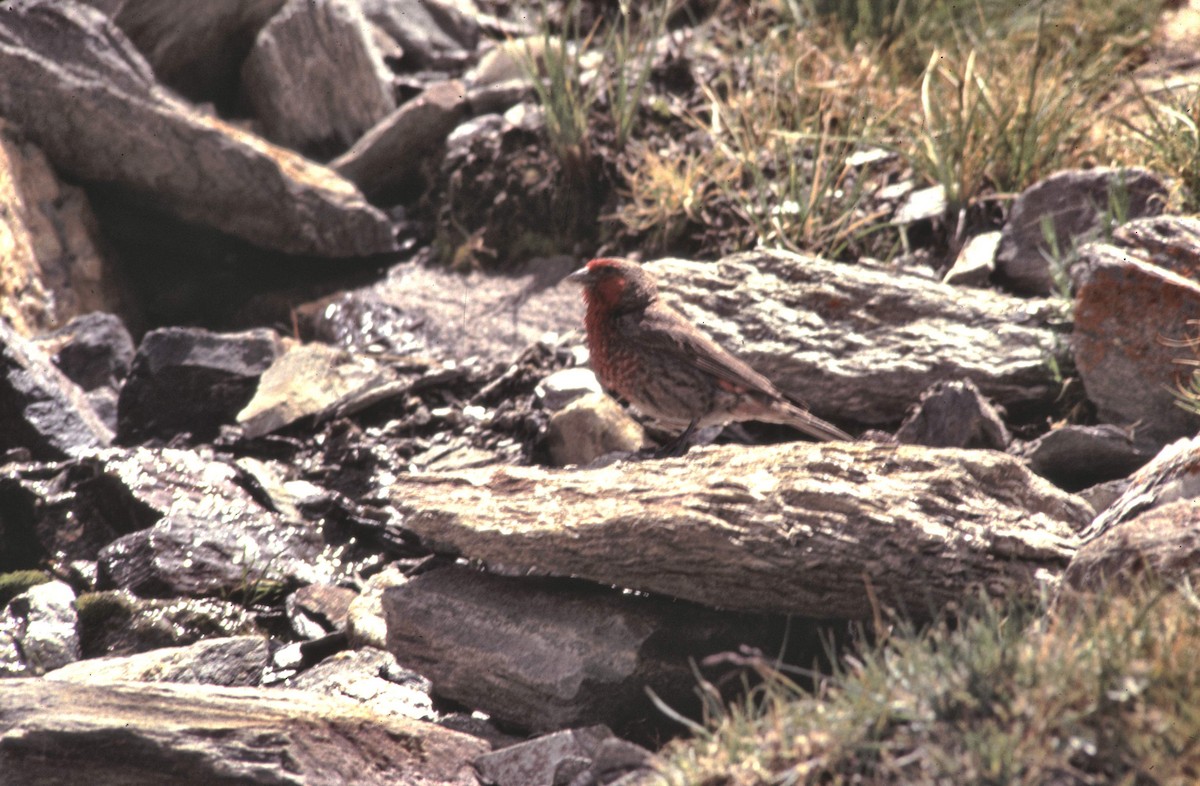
(793, 529)
(138, 734)
(76, 86)
(861, 343)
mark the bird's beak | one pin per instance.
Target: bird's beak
(580, 276)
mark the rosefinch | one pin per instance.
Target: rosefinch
(651, 355)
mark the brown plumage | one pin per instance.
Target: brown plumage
(648, 353)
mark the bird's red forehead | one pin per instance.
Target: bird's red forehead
(608, 289)
(604, 263)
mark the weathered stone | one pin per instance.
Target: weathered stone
(954, 415)
(432, 33)
(547, 654)
(319, 609)
(861, 343)
(975, 262)
(188, 380)
(1077, 206)
(926, 204)
(559, 389)
(94, 350)
(794, 529)
(51, 265)
(137, 734)
(1074, 457)
(40, 409)
(422, 309)
(544, 761)
(37, 632)
(197, 48)
(182, 555)
(365, 626)
(1124, 307)
(391, 155)
(315, 78)
(79, 90)
(305, 380)
(1161, 544)
(230, 662)
(591, 427)
(1171, 242)
(120, 623)
(1174, 474)
(373, 678)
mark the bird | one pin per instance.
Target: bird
(652, 356)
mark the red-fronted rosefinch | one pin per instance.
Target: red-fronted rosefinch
(648, 353)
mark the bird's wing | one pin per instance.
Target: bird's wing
(665, 327)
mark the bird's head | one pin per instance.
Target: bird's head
(615, 285)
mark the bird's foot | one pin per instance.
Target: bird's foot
(676, 447)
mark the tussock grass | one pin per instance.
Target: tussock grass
(1093, 690)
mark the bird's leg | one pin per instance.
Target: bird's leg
(678, 446)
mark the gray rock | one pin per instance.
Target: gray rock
(230, 662)
(550, 654)
(559, 389)
(315, 78)
(316, 610)
(1171, 242)
(1078, 207)
(196, 49)
(390, 155)
(76, 86)
(432, 33)
(975, 262)
(41, 410)
(38, 631)
(538, 761)
(790, 529)
(1075, 457)
(188, 380)
(308, 379)
(365, 626)
(859, 343)
(591, 427)
(120, 623)
(954, 415)
(926, 204)
(165, 733)
(1161, 544)
(1124, 308)
(1172, 475)
(183, 555)
(373, 678)
(94, 350)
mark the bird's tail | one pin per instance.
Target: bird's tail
(810, 424)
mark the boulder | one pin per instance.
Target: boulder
(52, 266)
(860, 343)
(80, 91)
(1073, 207)
(189, 380)
(550, 654)
(315, 78)
(42, 412)
(1124, 309)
